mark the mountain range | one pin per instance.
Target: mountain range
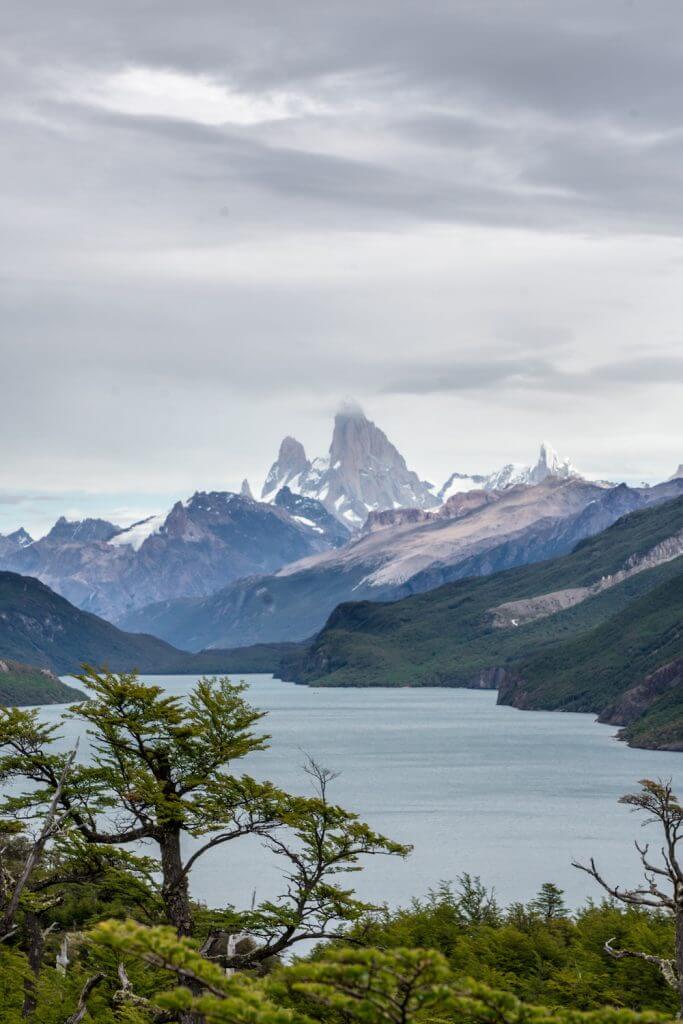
(205, 543)
(195, 548)
(222, 569)
(400, 552)
(549, 464)
(598, 630)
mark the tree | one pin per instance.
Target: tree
(161, 770)
(350, 986)
(663, 888)
(549, 903)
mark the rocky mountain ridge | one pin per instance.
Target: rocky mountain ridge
(193, 549)
(414, 552)
(548, 464)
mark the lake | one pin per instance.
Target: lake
(510, 795)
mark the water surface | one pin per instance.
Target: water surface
(510, 795)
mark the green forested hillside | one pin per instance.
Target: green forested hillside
(38, 627)
(26, 684)
(579, 658)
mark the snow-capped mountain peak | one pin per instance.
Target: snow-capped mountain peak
(363, 473)
(548, 464)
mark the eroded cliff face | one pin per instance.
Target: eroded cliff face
(638, 699)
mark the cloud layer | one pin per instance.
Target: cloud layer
(217, 220)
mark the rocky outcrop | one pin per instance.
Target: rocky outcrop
(632, 704)
(290, 467)
(517, 613)
(495, 678)
(363, 473)
(314, 516)
(391, 517)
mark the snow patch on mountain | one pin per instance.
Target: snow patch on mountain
(136, 535)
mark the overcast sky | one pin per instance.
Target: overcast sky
(217, 219)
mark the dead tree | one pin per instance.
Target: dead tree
(662, 888)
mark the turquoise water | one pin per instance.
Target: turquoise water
(512, 796)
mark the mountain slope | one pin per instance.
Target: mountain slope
(585, 656)
(40, 628)
(399, 553)
(200, 545)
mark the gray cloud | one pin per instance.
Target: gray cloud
(529, 374)
(472, 211)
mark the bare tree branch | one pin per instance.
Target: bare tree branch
(667, 967)
(82, 1007)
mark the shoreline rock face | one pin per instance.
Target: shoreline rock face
(632, 704)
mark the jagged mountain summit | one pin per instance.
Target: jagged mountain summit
(363, 473)
(549, 464)
(678, 475)
(13, 542)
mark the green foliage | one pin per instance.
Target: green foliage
(162, 767)
(549, 903)
(349, 985)
(555, 962)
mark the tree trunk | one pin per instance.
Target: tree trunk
(174, 890)
(679, 951)
(35, 942)
(176, 896)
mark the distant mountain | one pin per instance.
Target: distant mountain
(197, 547)
(598, 630)
(549, 464)
(13, 542)
(678, 475)
(400, 553)
(313, 515)
(363, 473)
(460, 483)
(81, 531)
